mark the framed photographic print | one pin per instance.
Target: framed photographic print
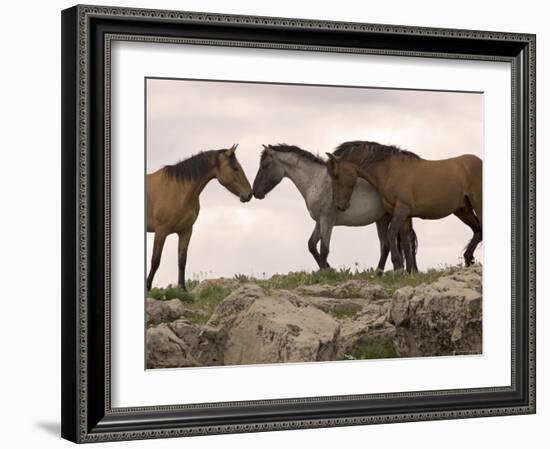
(284, 223)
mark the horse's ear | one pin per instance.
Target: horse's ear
(332, 157)
(231, 150)
(267, 149)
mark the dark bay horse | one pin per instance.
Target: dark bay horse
(173, 199)
(308, 173)
(411, 187)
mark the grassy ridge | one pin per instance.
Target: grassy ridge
(202, 302)
(391, 281)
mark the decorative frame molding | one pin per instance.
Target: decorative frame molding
(87, 34)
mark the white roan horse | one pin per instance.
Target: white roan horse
(309, 174)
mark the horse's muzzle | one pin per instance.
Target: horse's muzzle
(246, 197)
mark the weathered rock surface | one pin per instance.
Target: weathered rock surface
(164, 311)
(348, 289)
(221, 282)
(274, 328)
(215, 334)
(165, 349)
(441, 318)
(369, 325)
(321, 322)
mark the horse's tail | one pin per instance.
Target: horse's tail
(414, 242)
(400, 247)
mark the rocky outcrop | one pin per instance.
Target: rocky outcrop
(216, 333)
(164, 311)
(351, 320)
(275, 328)
(221, 282)
(348, 289)
(171, 345)
(441, 318)
(367, 327)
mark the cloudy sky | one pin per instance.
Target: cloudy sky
(270, 236)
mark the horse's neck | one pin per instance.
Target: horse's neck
(196, 186)
(373, 173)
(310, 179)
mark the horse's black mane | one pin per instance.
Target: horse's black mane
(194, 167)
(371, 151)
(284, 148)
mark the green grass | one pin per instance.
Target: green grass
(345, 310)
(170, 292)
(297, 279)
(201, 305)
(206, 301)
(372, 348)
(391, 281)
(242, 278)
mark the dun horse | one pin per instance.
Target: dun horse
(411, 187)
(173, 199)
(308, 173)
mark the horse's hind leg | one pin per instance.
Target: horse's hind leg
(467, 216)
(400, 214)
(405, 240)
(382, 230)
(326, 233)
(160, 238)
(183, 244)
(312, 243)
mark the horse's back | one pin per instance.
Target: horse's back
(461, 169)
(153, 188)
(434, 189)
(473, 165)
(169, 204)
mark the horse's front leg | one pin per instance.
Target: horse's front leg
(183, 244)
(326, 233)
(160, 238)
(382, 230)
(312, 243)
(399, 216)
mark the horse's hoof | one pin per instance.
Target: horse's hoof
(379, 272)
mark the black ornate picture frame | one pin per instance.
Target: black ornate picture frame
(87, 34)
